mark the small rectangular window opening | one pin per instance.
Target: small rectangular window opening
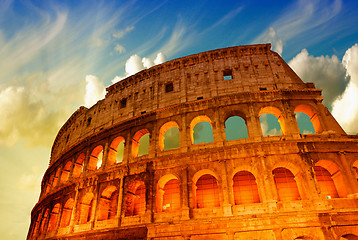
(227, 74)
(123, 103)
(199, 98)
(263, 89)
(169, 87)
(143, 112)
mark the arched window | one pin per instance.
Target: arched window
(335, 174)
(56, 178)
(207, 192)
(136, 203)
(66, 213)
(349, 237)
(245, 188)
(286, 186)
(325, 182)
(235, 128)
(36, 226)
(53, 218)
(201, 130)
(96, 156)
(66, 172)
(116, 151)
(78, 168)
(108, 203)
(171, 196)
(272, 122)
(86, 206)
(169, 136)
(44, 221)
(140, 143)
(308, 122)
(49, 183)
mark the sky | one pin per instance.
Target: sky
(59, 55)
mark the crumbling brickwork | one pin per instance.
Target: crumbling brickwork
(291, 186)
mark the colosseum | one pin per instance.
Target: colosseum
(137, 166)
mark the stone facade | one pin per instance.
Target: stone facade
(292, 186)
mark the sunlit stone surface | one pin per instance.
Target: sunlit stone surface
(156, 158)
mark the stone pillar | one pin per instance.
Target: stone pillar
(347, 174)
(268, 180)
(74, 215)
(225, 190)
(218, 129)
(105, 155)
(120, 199)
(253, 124)
(85, 164)
(184, 187)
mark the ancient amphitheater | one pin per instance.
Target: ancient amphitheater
(114, 174)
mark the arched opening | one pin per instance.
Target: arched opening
(49, 183)
(78, 167)
(116, 151)
(108, 203)
(201, 130)
(66, 213)
(36, 226)
(140, 143)
(325, 182)
(44, 221)
(245, 188)
(86, 206)
(169, 136)
(286, 185)
(308, 120)
(336, 176)
(53, 218)
(56, 178)
(66, 172)
(168, 193)
(355, 169)
(135, 202)
(272, 121)
(207, 192)
(349, 237)
(95, 160)
(235, 128)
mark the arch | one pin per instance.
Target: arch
(108, 202)
(116, 151)
(168, 193)
(66, 213)
(78, 167)
(140, 147)
(286, 185)
(36, 226)
(245, 188)
(349, 237)
(235, 128)
(95, 160)
(276, 113)
(169, 142)
(49, 183)
(325, 182)
(313, 116)
(136, 200)
(355, 169)
(206, 192)
(194, 122)
(53, 218)
(86, 206)
(336, 176)
(66, 172)
(56, 177)
(44, 221)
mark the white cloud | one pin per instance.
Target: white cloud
(271, 36)
(120, 34)
(326, 72)
(95, 90)
(119, 48)
(25, 116)
(135, 64)
(345, 109)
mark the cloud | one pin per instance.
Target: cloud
(271, 36)
(95, 90)
(120, 34)
(136, 64)
(30, 181)
(25, 116)
(345, 108)
(300, 18)
(119, 48)
(326, 72)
